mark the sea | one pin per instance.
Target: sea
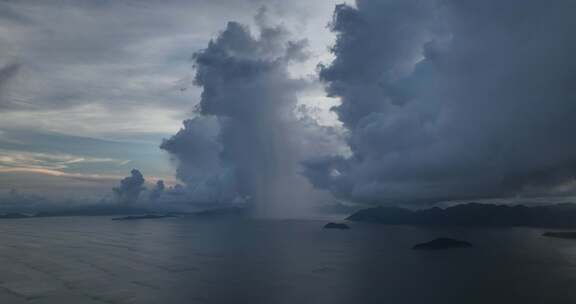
(249, 261)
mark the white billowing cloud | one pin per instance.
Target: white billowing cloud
(248, 142)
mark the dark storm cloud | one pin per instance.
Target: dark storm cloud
(130, 188)
(452, 99)
(256, 143)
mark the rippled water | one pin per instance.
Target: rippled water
(179, 260)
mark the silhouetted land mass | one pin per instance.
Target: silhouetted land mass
(143, 217)
(442, 243)
(92, 210)
(119, 210)
(474, 214)
(13, 216)
(336, 226)
(562, 235)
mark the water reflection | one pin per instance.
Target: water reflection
(274, 261)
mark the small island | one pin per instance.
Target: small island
(341, 226)
(142, 217)
(562, 235)
(442, 243)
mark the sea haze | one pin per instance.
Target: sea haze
(185, 260)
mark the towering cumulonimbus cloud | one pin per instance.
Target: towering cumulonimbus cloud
(130, 188)
(247, 141)
(452, 100)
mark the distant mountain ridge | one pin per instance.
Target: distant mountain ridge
(474, 214)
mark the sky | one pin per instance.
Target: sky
(88, 89)
(279, 103)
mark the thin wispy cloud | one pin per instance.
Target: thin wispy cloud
(23, 159)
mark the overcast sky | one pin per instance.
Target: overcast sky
(431, 100)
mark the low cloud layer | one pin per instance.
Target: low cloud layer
(452, 100)
(157, 191)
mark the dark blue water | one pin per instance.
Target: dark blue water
(178, 260)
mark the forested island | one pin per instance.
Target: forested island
(473, 214)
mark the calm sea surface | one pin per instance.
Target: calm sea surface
(178, 260)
